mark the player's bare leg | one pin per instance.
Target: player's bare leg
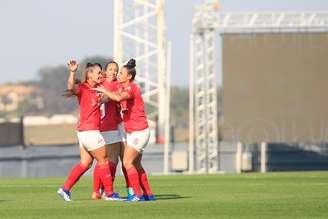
(78, 170)
(113, 151)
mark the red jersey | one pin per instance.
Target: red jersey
(110, 115)
(134, 117)
(89, 108)
(117, 87)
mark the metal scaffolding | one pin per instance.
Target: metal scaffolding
(271, 21)
(203, 94)
(140, 33)
(207, 22)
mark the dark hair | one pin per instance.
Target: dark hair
(84, 77)
(131, 67)
(111, 62)
(97, 64)
(89, 64)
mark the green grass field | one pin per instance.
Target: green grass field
(273, 195)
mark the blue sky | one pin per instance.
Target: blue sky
(36, 33)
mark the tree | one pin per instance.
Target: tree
(180, 106)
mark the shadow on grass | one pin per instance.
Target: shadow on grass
(6, 200)
(170, 196)
(158, 197)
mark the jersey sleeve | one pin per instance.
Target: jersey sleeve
(78, 90)
(130, 90)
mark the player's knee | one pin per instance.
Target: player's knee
(103, 161)
(86, 163)
(127, 163)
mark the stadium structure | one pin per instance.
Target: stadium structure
(274, 72)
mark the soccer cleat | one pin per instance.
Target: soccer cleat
(113, 197)
(64, 194)
(130, 192)
(135, 198)
(149, 197)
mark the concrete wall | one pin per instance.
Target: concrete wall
(46, 161)
(274, 87)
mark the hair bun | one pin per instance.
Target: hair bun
(131, 63)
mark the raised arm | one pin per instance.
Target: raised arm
(72, 66)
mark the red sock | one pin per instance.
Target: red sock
(144, 182)
(127, 181)
(106, 179)
(96, 179)
(74, 176)
(112, 168)
(134, 180)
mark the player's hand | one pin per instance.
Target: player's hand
(72, 65)
(98, 89)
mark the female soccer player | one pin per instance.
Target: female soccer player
(110, 118)
(136, 127)
(111, 71)
(92, 144)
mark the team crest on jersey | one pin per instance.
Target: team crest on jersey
(135, 141)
